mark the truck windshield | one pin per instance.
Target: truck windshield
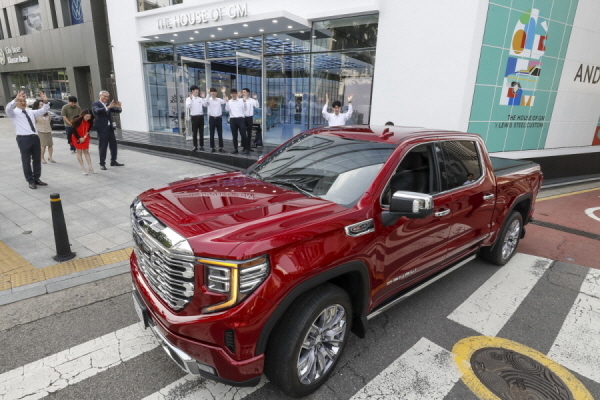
(327, 166)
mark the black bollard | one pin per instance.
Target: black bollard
(61, 237)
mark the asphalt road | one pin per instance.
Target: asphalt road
(86, 342)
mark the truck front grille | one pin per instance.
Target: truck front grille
(162, 258)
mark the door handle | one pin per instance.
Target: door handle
(488, 196)
(442, 213)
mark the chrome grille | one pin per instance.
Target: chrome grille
(164, 257)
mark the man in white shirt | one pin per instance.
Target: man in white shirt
(215, 117)
(27, 136)
(194, 104)
(336, 118)
(251, 104)
(237, 122)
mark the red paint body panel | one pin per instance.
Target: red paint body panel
(232, 216)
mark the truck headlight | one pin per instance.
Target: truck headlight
(236, 279)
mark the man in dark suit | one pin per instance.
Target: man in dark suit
(102, 110)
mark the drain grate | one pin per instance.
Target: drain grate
(566, 229)
(514, 376)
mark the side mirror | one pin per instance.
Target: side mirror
(409, 205)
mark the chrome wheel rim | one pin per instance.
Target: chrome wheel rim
(511, 239)
(322, 344)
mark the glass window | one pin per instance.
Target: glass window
(288, 43)
(162, 97)
(158, 52)
(340, 75)
(345, 33)
(462, 163)
(145, 5)
(31, 19)
(326, 166)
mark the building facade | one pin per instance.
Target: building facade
(61, 47)
(523, 74)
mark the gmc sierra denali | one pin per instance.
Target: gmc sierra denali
(269, 270)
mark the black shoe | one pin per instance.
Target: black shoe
(212, 150)
(32, 185)
(116, 164)
(195, 148)
(249, 149)
(40, 183)
(103, 167)
(221, 150)
(201, 148)
(235, 152)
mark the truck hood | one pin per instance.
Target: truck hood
(218, 212)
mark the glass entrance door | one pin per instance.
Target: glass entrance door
(249, 71)
(197, 72)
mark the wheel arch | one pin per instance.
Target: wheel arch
(352, 277)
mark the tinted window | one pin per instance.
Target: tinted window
(330, 167)
(461, 160)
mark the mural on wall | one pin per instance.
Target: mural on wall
(520, 66)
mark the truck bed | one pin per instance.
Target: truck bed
(505, 166)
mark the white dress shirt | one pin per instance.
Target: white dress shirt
(236, 108)
(251, 104)
(195, 104)
(337, 120)
(214, 106)
(20, 120)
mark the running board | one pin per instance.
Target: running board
(418, 288)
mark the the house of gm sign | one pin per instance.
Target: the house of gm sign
(203, 16)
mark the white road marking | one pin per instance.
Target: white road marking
(426, 371)
(489, 307)
(192, 388)
(580, 334)
(57, 371)
(590, 213)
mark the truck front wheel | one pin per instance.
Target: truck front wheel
(309, 341)
(506, 244)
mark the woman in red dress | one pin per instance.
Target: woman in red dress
(81, 138)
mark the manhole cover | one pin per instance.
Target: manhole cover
(514, 376)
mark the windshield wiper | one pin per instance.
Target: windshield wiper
(292, 184)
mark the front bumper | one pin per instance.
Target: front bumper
(198, 358)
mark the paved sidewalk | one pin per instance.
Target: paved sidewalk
(96, 209)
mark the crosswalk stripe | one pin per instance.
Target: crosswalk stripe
(192, 388)
(412, 375)
(57, 371)
(580, 331)
(493, 303)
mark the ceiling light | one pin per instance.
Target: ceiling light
(212, 35)
(174, 34)
(195, 31)
(191, 38)
(155, 37)
(172, 40)
(246, 25)
(287, 38)
(220, 29)
(250, 37)
(235, 33)
(274, 21)
(274, 34)
(301, 31)
(289, 26)
(261, 30)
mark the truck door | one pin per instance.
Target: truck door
(472, 188)
(412, 247)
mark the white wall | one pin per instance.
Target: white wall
(577, 106)
(426, 65)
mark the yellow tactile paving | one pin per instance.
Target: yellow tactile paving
(11, 262)
(15, 271)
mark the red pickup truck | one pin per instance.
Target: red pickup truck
(269, 270)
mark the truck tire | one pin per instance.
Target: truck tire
(309, 341)
(506, 244)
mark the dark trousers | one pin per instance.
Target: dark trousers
(238, 125)
(69, 131)
(215, 122)
(248, 121)
(106, 140)
(198, 125)
(31, 156)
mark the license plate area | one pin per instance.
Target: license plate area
(141, 310)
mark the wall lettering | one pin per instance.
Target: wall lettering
(590, 75)
(203, 16)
